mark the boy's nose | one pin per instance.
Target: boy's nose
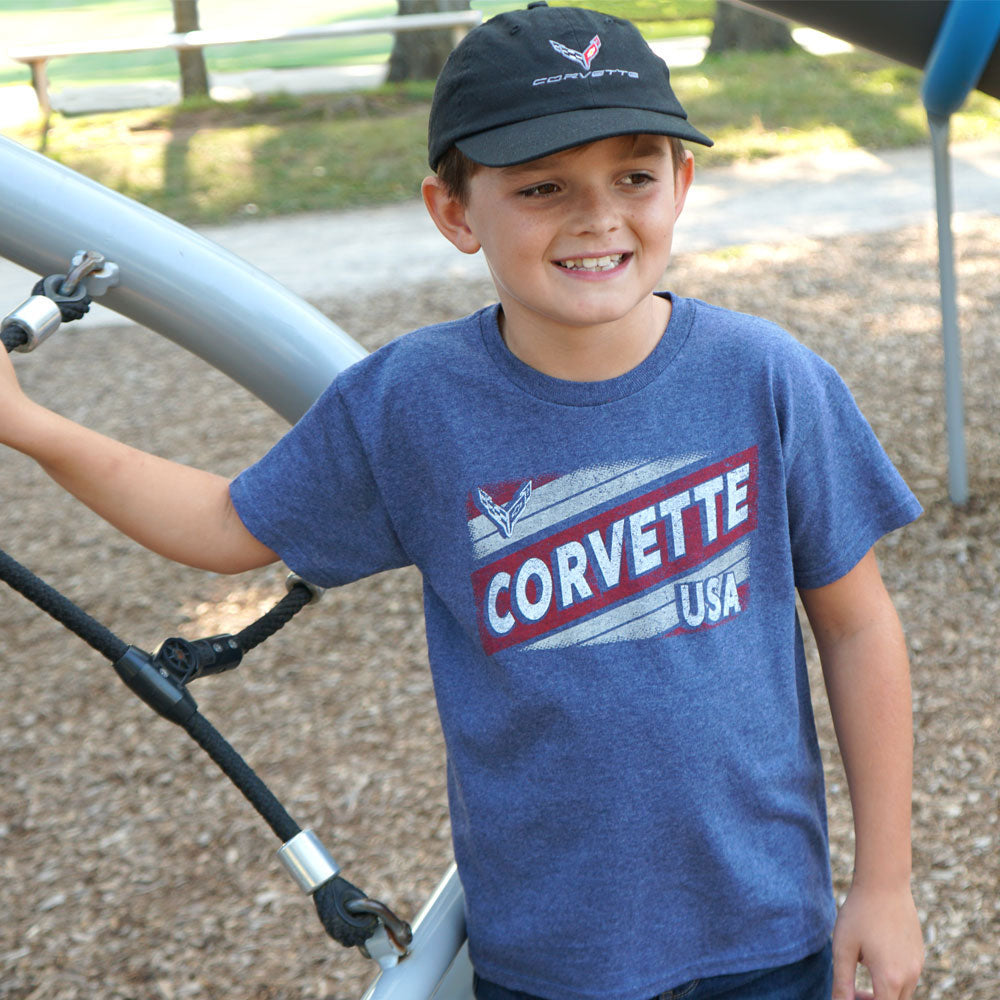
(595, 212)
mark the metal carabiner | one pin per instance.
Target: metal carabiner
(83, 264)
(399, 931)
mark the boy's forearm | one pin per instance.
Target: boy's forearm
(867, 678)
(866, 669)
(868, 681)
(179, 512)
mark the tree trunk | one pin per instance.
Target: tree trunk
(419, 55)
(194, 75)
(737, 28)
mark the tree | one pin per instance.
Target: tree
(742, 29)
(419, 55)
(194, 75)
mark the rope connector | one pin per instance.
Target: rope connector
(293, 580)
(57, 299)
(186, 659)
(348, 915)
(155, 686)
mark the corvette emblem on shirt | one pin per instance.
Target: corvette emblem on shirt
(639, 549)
(505, 516)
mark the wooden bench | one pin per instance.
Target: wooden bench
(37, 57)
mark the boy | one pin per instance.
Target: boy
(612, 495)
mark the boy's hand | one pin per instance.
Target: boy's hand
(12, 397)
(880, 929)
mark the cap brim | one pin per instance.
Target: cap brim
(537, 137)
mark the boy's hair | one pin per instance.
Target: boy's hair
(528, 83)
(455, 169)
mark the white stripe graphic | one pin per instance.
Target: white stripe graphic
(652, 613)
(569, 497)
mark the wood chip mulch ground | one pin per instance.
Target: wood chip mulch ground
(130, 869)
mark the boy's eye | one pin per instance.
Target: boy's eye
(637, 179)
(538, 190)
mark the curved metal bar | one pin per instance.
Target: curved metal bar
(173, 281)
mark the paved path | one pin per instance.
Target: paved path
(766, 203)
(320, 255)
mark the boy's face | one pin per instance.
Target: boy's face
(576, 239)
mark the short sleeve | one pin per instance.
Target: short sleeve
(313, 499)
(843, 492)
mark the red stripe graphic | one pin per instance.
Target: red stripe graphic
(617, 554)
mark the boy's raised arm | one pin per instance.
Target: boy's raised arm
(867, 677)
(181, 513)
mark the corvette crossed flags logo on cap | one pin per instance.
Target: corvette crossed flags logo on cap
(584, 58)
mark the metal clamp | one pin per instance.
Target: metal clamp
(96, 272)
(82, 264)
(397, 930)
(37, 318)
(308, 861)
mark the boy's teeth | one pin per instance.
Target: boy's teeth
(593, 263)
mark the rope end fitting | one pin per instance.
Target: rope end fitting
(293, 580)
(308, 861)
(58, 299)
(348, 916)
(35, 320)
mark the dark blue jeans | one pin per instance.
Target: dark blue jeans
(810, 979)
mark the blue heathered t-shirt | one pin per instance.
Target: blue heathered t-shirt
(609, 573)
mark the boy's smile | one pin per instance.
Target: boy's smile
(577, 242)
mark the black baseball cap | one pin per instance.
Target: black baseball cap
(532, 82)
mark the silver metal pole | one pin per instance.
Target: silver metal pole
(173, 281)
(958, 477)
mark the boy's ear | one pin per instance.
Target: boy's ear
(449, 215)
(683, 176)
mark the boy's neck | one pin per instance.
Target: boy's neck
(586, 354)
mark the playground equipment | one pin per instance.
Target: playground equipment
(956, 45)
(166, 277)
(248, 326)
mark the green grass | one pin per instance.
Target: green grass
(211, 162)
(32, 23)
(760, 105)
(267, 157)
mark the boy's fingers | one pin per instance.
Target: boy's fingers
(897, 986)
(845, 967)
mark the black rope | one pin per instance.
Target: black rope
(61, 608)
(201, 731)
(167, 695)
(242, 776)
(279, 616)
(174, 703)
(13, 336)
